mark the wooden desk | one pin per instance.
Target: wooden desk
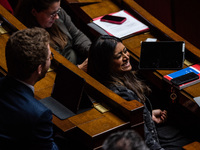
(180, 16)
(185, 96)
(192, 146)
(90, 127)
(157, 30)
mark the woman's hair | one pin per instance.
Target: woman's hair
(24, 14)
(99, 67)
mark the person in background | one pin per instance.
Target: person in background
(65, 37)
(25, 123)
(109, 63)
(124, 140)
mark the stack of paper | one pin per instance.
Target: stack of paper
(131, 26)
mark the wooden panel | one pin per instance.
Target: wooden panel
(96, 9)
(180, 16)
(3, 37)
(186, 14)
(161, 9)
(192, 146)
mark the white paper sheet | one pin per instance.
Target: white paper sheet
(197, 100)
(130, 26)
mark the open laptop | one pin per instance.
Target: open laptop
(68, 97)
(162, 55)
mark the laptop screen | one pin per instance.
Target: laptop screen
(163, 55)
(68, 88)
(68, 97)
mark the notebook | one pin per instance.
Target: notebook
(68, 97)
(163, 55)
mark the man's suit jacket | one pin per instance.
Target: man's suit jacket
(25, 123)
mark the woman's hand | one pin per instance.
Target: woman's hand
(159, 116)
(84, 65)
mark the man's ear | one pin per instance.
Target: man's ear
(39, 69)
(34, 12)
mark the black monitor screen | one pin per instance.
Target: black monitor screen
(162, 55)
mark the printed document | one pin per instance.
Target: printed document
(130, 27)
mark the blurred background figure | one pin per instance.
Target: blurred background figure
(124, 140)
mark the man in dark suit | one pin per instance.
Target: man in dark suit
(25, 123)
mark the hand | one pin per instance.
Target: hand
(159, 116)
(83, 66)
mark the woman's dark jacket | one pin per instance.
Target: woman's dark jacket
(151, 137)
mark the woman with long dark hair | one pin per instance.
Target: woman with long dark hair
(109, 63)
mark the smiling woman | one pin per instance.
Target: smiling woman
(65, 37)
(121, 59)
(109, 63)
